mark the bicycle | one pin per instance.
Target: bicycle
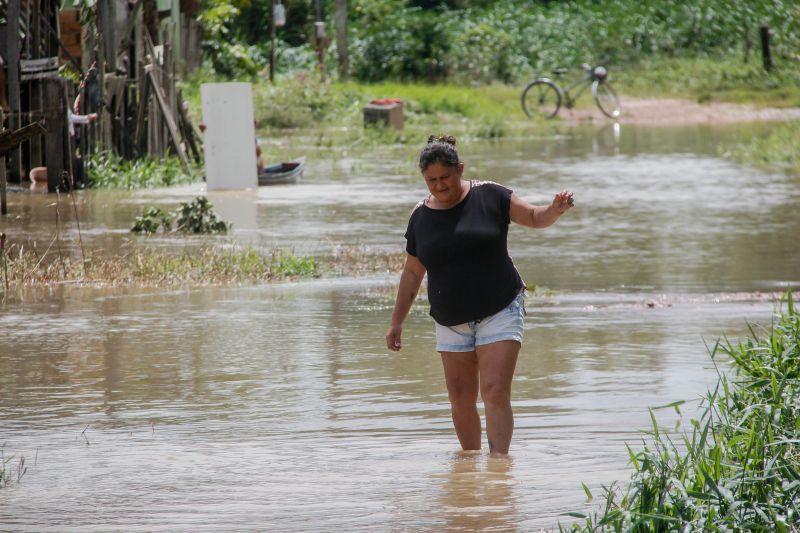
(543, 96)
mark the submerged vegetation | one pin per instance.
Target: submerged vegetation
(145, 266)
(5, 470)
(110, 171)
(194, 217)
(779, 150)
(739, 467)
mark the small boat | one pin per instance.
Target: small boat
(282, 173)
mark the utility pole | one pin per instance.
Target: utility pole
(340, 17)
(322, 38)
(273, 35)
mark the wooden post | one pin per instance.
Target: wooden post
(141, 116)
(38, 48)
(169, 119)
(176, 32)
(766, 55)
(321, 38)
(56, 117)
(272, 35)
(106, 13)
(12, 48)
(3, 199)
(340, 17)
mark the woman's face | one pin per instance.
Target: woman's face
(444, 182)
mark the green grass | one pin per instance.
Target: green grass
(778, 151)
(110, 171)
(724, 78)
(739, 466)
(304, 102)
(143, 266)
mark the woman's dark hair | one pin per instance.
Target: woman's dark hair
(439, 149)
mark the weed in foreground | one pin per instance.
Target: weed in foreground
(739, 468)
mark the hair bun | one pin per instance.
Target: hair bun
(447, 139)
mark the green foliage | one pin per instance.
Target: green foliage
(197, 217)
(234, 265)
(225, 52)
(109, 171)
(412, 44)
(510, 40)
(502, 40)
(739, 468)
(301, 102)
(287, 264)
(711, 78)
(779, 150)
(155, 266)
(191, 217)
(151, 220)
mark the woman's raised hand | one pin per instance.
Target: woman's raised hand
(563, 201)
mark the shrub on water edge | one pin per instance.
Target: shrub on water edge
(191, 217)
(721, 77)
(108, 170)
(779, 150)
(197, 217)
(302, 101)
(739, 468)
(151, 220)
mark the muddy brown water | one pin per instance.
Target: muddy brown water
(277, 407)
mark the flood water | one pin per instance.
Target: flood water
(278, 408)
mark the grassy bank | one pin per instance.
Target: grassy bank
(720, 78)
(777, 151)
(302, 101)
(329, 114)
(739, 467)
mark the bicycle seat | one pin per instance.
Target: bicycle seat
(560, 71)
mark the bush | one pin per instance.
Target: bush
(191, 217)
(299, 102)
(739, 468)
(107, 170)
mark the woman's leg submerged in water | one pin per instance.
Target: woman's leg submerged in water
(496, 363)
(461, 376)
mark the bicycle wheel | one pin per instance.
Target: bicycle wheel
(541, 98)
(606, 99)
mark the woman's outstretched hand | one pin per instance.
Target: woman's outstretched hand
(563, 201)
(393, 338)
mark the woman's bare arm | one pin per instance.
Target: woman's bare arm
(540, 216)
(410, 281)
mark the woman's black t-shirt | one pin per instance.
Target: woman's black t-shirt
(464, 250)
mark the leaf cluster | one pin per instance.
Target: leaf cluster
(108, 170)
(195, 217)
(739, 468)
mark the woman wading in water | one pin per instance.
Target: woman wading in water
(458, 235)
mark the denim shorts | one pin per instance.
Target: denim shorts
(505, 325)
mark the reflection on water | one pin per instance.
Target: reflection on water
(278, 407)
(478, 495)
